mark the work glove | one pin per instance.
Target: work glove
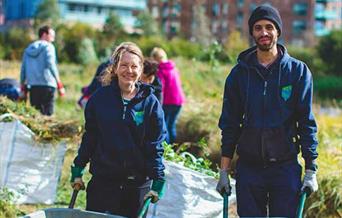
(23, 92)
(310, 181)
(76, 178)
(61, 89)
(223, 185)
(157, 191)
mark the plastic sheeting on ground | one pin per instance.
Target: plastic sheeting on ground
(28, 168)
(189, 194)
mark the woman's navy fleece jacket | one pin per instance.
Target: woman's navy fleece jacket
(267, 112)
(123, 141)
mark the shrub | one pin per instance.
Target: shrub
(330, 51)
(7, 208)
(309, 57)
(234, 45)
(17, 39)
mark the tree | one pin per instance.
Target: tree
(147, 24)
(200, 30)
(47, 12)
(86, 52)
(113, 27)
(235, 44)
(330, 51)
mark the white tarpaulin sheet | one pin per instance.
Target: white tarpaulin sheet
(28, 168)
(189, 194)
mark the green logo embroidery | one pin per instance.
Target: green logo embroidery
(138, 117)
(286, 92)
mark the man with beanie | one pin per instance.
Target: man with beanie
(267, 118)
(39, 73)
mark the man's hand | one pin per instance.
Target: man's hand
(76, 178)
(61, 89)
(223, 185)
(310, 181)
(23, 92)
(157, 190)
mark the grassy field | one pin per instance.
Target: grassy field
(197, 129)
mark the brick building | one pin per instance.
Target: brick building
(303, 20)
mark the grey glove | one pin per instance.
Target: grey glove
(223, 185)
(310, 181)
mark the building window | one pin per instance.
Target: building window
(214, 26)
(176, 9)
(155, 11)
(174, 27)
(225, 8)
(252, 7)
(300, 9)
(240, 3)
(216, 10)
(224, 26)
(72, 7)
(239, 19)
(99, 10)
(298, 26)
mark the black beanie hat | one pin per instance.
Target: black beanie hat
(265, 12)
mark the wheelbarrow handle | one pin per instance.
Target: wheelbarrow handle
(74, 196)
(144, 208)
(304, 194)
(225, 205)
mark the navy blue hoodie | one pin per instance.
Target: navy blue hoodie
(267, 112)
(121, 141)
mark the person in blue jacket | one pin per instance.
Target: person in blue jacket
(267, 118)
(39, 73)
(93, 86)
(124, 131)
(149, 76)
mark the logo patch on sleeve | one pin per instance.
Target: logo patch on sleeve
(286, 92)
(138, 117)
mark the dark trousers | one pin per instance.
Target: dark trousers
(171, 113)
(117, 198)
(42, 98)
(271, 191)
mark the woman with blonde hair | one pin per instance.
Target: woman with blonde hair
(124, 131)
(173, 95)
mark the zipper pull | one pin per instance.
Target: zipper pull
(124, 112)
(265, 86)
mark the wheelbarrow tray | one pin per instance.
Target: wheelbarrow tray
(68, 213)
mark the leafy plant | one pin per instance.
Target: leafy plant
(7, 208)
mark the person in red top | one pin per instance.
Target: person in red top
(173, 95)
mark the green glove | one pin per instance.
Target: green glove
(159, 187)
(157, 191)
(76, 172)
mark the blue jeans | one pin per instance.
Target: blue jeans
(274, 187)
(171, 113)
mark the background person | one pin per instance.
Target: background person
(267, 116)
(93, 86)
(173, 95)
(39, 72)
(149, 77)
(124, 131)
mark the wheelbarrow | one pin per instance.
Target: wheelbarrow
(303, 195)
(69, 212)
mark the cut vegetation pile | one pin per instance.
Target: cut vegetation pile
(46, 129)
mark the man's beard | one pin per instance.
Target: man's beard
(265, 47)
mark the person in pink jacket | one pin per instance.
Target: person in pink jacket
(173, 95)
